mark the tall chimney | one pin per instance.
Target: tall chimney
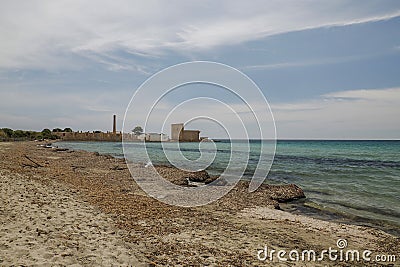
(115, 124)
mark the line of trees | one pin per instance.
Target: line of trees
(58, 130)
(7, 134)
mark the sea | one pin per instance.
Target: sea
(348, 181)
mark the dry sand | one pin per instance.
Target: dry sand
(48, 225)
(83, 208)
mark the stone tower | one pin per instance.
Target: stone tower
(176, 131)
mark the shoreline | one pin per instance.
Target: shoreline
(304, 206)
(227, 232)
(300, 207)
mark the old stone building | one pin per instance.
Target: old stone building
(113, 136)
(178, 133)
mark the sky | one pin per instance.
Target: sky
(328, 69)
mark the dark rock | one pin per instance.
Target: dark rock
(182, 177)
(285, 193)
(108, 156)
(60, 149)
(172, 174)
(198, 177)
(118, 168)
(266, 196)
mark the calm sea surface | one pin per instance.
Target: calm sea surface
(357, 179)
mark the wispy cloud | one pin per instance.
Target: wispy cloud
(350, 114)
(39, 109)
(302, 63)
(74, 63)
(55, 34)
(317, 62)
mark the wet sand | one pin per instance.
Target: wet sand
(76, 207)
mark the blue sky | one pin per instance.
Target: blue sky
(329, 69)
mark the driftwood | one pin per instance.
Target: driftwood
(31, 160)
(29, 165)
(74, 167)
(118, 168)
(60, 149)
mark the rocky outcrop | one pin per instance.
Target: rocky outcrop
(266, 196)
(182, 177)
(282, 193)
(270, 194)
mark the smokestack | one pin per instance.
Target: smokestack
(115, 124)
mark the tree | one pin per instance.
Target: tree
(57, 130)
(46, 133)
(68, 130)
(138, 130)
(20, 134)
(3, 135)
(9, 132)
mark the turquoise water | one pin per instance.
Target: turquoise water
(359, 179)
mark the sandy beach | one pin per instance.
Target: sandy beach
(63, 208)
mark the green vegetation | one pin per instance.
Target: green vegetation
(138, 130)
(7, 134)
(3, 135)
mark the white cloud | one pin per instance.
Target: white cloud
(308, 63)
(365, 114)
(352, 114)
(387, 95)
(36, 110)
(55, 34)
